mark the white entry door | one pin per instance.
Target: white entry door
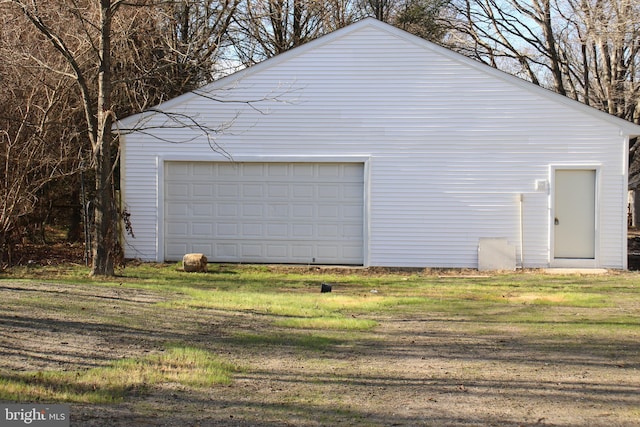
(574, 213)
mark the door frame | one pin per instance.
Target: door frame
(574, 262)
(162, 159)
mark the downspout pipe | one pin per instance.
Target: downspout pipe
(521, 215)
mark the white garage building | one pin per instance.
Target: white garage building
(370, 146)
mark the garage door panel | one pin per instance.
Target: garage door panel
(252, 210)
(352, 192)
(303, 170)
(278, 211)
(303, 191)
(226, 209)
(178, 229)
(226, 170)
(302, 252)
(277, 190)
(178, 190)
(329, 211)
(329, 171)
(277, 170)
(280, 252)
(202, 210)
(352, 170)
(226, 230)
(328, 251)
(253, 190)
(352, 232)
(265, 212)
(227, 190)
(177, 209)
(253, 170)
(226, 251)
(302, 231)
(277, 230)
(352, 253)
(201, 229)
(329, 231)
(329, 191)
(201, 190)
(203, 169)
(352, 212)
(177, 169)
(252, 230)
(302, 211)
(202, 248)
(251, 250)
(178, 248)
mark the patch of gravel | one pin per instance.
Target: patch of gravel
(417, 370)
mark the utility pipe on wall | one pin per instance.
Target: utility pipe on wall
(521, 202)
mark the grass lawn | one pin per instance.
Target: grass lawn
(260, 345)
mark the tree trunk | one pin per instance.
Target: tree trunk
(74, 232)
(3, 251)
(98, 114)
(105, 220)
(635, 208)
(543, 8)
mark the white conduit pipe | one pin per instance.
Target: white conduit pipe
(521, 199)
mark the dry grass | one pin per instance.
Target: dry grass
(384, 348)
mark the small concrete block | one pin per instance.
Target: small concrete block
(496, 254)
(195, 263)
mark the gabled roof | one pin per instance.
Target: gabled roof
(626, 127)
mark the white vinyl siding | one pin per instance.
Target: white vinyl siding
(450, 145)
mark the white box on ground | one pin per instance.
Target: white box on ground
(496, 254)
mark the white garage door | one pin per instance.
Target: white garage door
(305, 213)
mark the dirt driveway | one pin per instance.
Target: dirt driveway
(409, 371)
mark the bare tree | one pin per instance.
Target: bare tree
(423, 18)
(38, 136)
(382, 10)
(585, 49)
(34, 151)
(513, 35)
(119, 63)
(167, 49)
(265, 28)
(340, 13)
(87, 43)
(605, 54)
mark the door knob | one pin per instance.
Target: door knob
(556, 222)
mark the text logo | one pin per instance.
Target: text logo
(13, 415)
